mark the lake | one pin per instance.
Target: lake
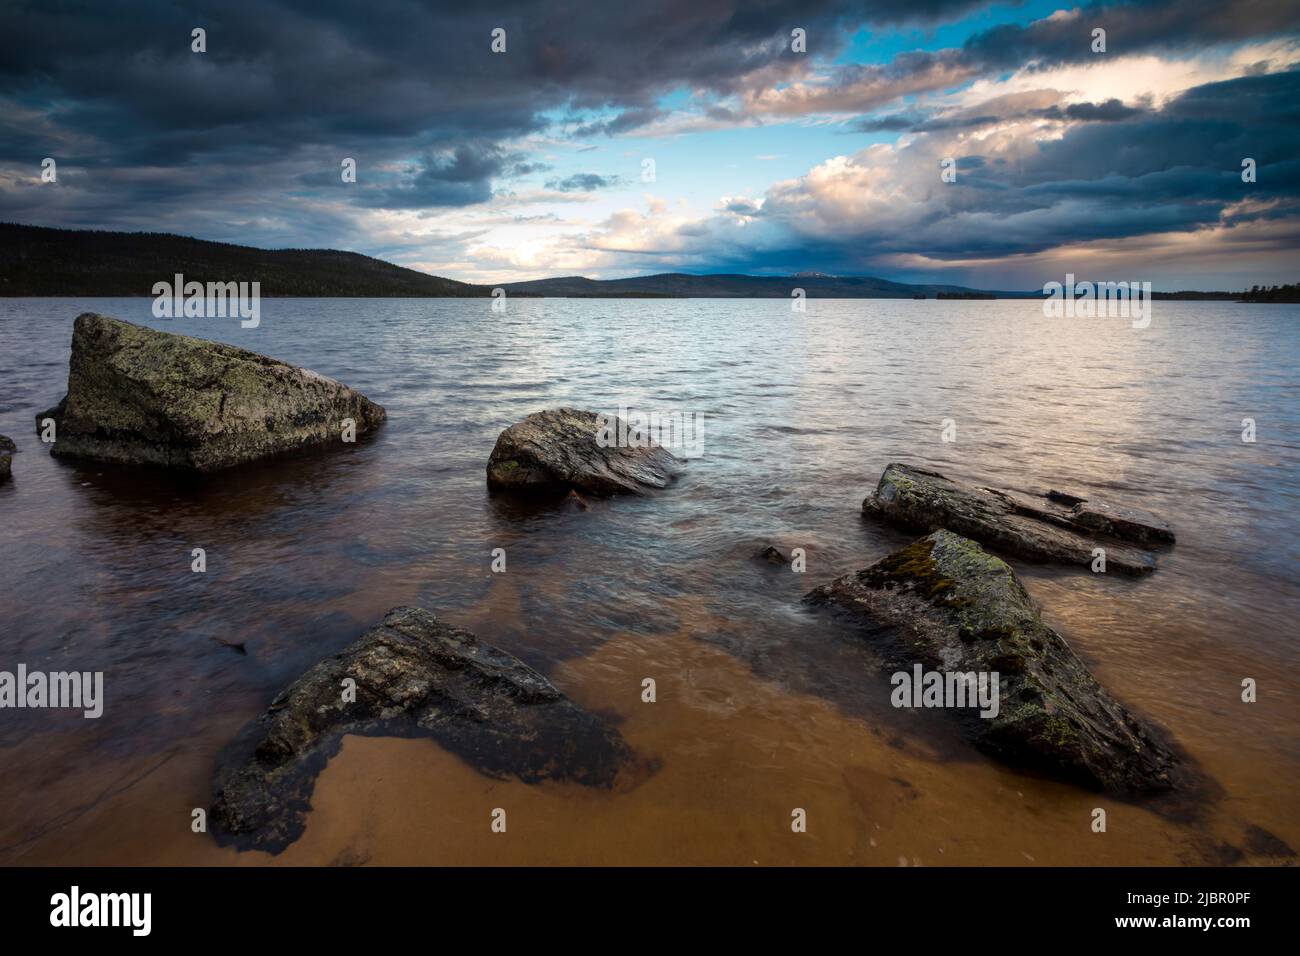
(762, 706)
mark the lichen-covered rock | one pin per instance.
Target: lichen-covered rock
(7, 448)
(1055, 527)
(563, 450)
(411, 675)
(949, 605)
(142, 397)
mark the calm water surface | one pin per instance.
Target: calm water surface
(762, 707)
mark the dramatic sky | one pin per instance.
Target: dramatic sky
(488, 166)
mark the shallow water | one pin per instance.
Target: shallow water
(762, 706)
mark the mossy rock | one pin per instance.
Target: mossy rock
(138, 396)
(946, 603)
(1055, 527)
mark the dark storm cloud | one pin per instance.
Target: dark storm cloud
(461, 177)
(241, 143)
(1135, 27)
(236, 141)
(1176, 169)
(1140, 26)
(1179, 168)
(319, 72)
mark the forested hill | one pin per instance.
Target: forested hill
(74, 262)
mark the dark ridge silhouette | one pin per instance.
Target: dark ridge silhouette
(38, 261)
(79, 262)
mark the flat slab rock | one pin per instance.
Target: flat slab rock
(415, 676)
(558, 450)
(142, 397)
(1056, 527)
(949, 605)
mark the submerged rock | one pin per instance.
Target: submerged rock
(1055, 527)
(947, 604)
(7, 448)
(414, 676)
(143, 397)
(560, 450)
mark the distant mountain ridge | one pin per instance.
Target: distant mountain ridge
(41, 261)
(677, 285)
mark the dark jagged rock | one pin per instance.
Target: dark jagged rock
(774, 555)
(946, 603)
(142, 397)
(558, 450)
(1055, 527)
(7, 448)
(414, 676)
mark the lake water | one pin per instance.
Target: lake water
(762, 706)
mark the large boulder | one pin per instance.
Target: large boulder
(143, 397)
(564, 449)
(945, 603)
(1055, 527)
(413, 676)
(7, 449)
